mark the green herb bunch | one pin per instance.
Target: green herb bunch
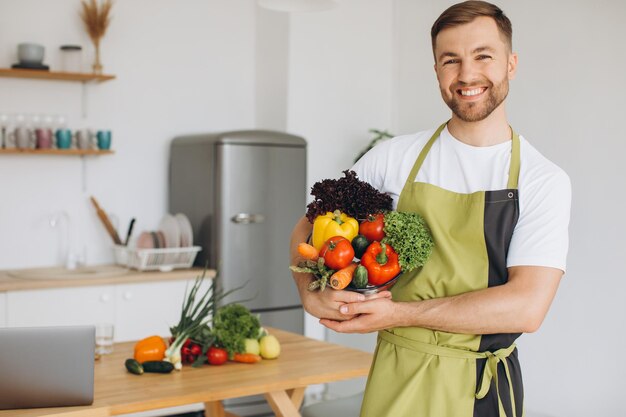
(233, 324)
(408, 234)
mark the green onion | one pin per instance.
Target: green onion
(196, 311)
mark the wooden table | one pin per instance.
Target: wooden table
(302, 362)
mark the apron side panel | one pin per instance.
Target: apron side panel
(501, 215)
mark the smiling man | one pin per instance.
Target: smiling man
(498, 212)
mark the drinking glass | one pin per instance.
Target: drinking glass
(104, 338)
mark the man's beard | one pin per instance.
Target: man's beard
(477, 111)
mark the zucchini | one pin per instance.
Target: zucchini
(160, 367)
(359, 244)
(133, 366)
(359, 279)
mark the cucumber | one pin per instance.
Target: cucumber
(359, 279)
(160, 367)
(359, 244)
(133, 366)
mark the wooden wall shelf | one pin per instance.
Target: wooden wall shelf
(56, 151)
(54, 75)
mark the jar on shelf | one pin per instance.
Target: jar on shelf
(71, 58)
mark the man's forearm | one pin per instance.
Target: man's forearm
(516, 307)
(491, 310)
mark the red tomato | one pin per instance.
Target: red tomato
(372, 227)
(217, 356)
(337, 252)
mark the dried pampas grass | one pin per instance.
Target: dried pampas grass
(96, 17)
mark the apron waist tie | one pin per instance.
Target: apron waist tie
(489, 373)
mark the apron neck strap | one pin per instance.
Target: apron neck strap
(514, 166)
(420, 159)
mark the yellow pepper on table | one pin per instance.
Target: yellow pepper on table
(333, 224)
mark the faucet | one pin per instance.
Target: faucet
(68, 255)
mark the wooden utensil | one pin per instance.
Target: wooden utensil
(107, 223)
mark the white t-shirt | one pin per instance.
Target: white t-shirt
(540, 237)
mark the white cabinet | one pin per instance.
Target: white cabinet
(137, 310)
(148, 308)
(61, 306)
(3, 309)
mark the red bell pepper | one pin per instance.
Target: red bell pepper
(381, 262)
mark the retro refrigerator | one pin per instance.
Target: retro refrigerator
(243, 192)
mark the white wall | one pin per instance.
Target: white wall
(567, 101)
(181, 67)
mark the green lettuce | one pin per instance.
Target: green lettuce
(232, 325)
(408, 234)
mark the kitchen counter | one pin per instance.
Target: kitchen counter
(9, 283)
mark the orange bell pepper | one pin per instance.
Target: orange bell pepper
(150, 349)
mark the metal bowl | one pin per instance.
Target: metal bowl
(373, 289)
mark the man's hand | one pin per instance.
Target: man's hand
(327, 304)
(375, 314)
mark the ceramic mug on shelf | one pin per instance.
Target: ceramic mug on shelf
(23, 137)
(104, 139)
(64, 138)
(84, 139)
(44, 138)
(9, 141)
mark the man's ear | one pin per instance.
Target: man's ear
(512, 66)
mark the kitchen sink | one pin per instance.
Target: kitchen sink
(85, 272)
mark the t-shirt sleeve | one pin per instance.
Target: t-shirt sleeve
(541, 236)
(371, 167)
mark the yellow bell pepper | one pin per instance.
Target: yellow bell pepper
(333, 224)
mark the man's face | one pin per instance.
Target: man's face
(473, 65)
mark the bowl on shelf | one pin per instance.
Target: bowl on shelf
(30, 53)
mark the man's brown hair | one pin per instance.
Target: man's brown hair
(462, 13)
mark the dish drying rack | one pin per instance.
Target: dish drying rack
(164, 260)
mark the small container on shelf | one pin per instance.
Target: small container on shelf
(163, 260)
(71, 58)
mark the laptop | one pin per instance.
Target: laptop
(46, 366)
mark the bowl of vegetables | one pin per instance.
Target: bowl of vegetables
(358, 242)
(373, 289)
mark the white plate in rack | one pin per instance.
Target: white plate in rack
(186, 232)
(171, 231)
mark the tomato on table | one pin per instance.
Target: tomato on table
(217, 356)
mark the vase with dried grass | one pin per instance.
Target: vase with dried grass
(96, 17)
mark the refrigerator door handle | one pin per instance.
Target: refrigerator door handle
(247, 218)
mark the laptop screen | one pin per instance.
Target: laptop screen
(46, 366)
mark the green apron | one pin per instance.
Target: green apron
(419, 372)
